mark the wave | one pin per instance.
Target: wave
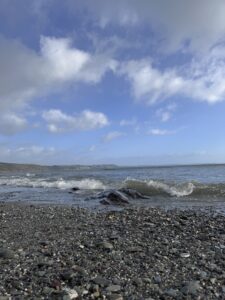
(195, 189)
(83, 184)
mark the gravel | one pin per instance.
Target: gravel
(62, 252)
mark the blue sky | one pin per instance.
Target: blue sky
(125, 82)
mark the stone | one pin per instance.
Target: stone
(101, 281)
(74, 189)
(113, 288)
(191, 288)
(185, 255)
(114, 198)
(72, 293)
(171, 293)
(133, 194)
(6, 253)
(116, 297)
(157, 279)
(202, 274)
(106, 246)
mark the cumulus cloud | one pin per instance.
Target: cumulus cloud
(151, 84)
(203, 80)
(10, 124)
(113, 135)
(59, 122)
(25, 73)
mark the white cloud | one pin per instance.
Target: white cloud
(11, 124)
(157, 131)
(59, 122)
(203, 79)
(25, 73)
(113, 135)
(149, 83)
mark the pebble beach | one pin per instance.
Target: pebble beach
(63, 252)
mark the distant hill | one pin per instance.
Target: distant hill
(7, 167)
(20, 167)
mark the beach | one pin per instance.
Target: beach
(65, 252)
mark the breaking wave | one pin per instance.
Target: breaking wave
(83, 184)
(154, 188)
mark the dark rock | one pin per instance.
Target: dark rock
(6, 253)
(157, 279)
(133, 194)
(113, 198)
(74, 189)
(101, 281)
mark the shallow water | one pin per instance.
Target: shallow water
(167, 187)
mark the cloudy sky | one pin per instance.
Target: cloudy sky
(100, 81)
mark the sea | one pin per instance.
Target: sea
(167, 187)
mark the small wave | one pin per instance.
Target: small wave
(153, 188)
(30, 174)
(84, 184)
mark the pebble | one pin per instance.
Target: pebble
(110, 255)
(157, 279)
(185, 255)
(191, 288)
(113, 288)
(101, 281)
(106, 246)
(6, 254)
(171, 293)
(115, 297)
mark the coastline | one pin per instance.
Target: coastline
(61, 252)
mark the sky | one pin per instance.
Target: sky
(128, 82)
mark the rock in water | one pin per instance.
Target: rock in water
(74, 189)
(133, 194)
(120, 197)
(114, 198)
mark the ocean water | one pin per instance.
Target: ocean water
(167, 187)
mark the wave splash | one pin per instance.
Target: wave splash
(83, 184)
(154, 188)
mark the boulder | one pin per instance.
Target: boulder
(113, 198)
(120, 197)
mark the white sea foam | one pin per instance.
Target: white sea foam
(152, 187)
(87, 183)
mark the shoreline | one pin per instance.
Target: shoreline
(64, 252)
